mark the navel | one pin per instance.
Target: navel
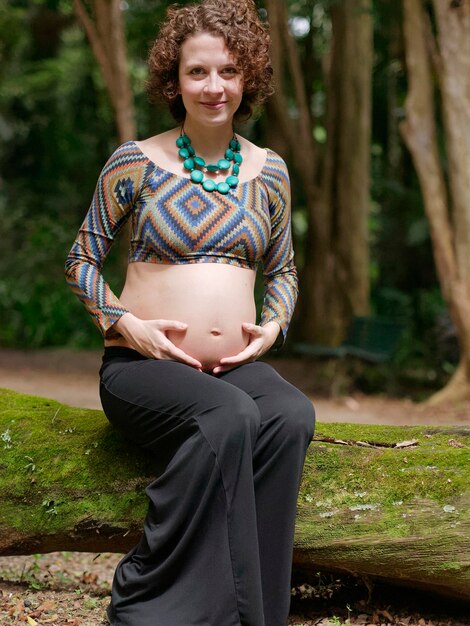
(216, 332)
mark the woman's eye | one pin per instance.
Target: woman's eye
(230, 70)
(197, 70)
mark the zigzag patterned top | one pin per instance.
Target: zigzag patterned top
(175, 221)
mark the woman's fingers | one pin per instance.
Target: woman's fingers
(259, 342)
(248, 355)
(170, 350)
(253, 329)
(176, 354)
(170, 325)
(150, 339)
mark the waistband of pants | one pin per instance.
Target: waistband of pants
(116, 352)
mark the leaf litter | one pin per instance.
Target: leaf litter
(72, 589)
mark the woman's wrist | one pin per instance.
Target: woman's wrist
(272, 329)
(124, 324)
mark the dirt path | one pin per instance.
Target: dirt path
(71, 377)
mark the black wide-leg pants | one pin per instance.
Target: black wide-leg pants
(218, 537)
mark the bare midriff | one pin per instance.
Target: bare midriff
(213, 299)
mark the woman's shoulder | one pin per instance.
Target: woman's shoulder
(275, 173)
(127, 154)
(163, 142)
(262, 163)
(263, 158)
(127, 167)
(276, 162)
(135, 150)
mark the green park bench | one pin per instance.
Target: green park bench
(372, 339)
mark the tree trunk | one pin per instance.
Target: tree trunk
(446, 200)
(335, 279)
(105, 31)
(367, 506)
(297, 133)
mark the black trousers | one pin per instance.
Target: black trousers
(216, 549)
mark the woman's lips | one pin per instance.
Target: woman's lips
(214, 106)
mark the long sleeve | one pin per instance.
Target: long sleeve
(279, 272)
(116, 192)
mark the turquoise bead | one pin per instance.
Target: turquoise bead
(196, 166)
(196, 176)
(223, 188)
(209, 185)
(223, 164)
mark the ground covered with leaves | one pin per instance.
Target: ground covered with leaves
(72, 589)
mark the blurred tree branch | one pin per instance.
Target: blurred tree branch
(104, 27)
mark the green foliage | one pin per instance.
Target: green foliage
(54, 118)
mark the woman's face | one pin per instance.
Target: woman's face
(210, 83)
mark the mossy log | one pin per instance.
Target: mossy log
(395, 514)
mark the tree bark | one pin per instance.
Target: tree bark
(367, 506)
(446, 196)
(297, 132)
(343, 252)
(335, 279)
(105, 31)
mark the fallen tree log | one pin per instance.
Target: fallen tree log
(367, 506)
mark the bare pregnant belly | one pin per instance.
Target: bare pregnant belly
(212, 299)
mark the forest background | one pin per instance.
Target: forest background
(365, 114)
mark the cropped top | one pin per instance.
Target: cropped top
(175, 221)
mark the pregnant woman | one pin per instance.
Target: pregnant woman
(180, 375)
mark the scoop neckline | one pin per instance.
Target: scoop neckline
(162, 169)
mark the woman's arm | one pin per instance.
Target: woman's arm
(116, 191)
(279, 271)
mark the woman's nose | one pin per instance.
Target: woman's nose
(213, 83)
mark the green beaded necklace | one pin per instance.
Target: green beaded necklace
(197, 166)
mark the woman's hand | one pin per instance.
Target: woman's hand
(149, 338)
(261, 339)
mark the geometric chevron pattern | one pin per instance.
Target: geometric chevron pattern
(175, 221)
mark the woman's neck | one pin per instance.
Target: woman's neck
(209, 142)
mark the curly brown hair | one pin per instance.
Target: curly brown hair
(246, 37)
